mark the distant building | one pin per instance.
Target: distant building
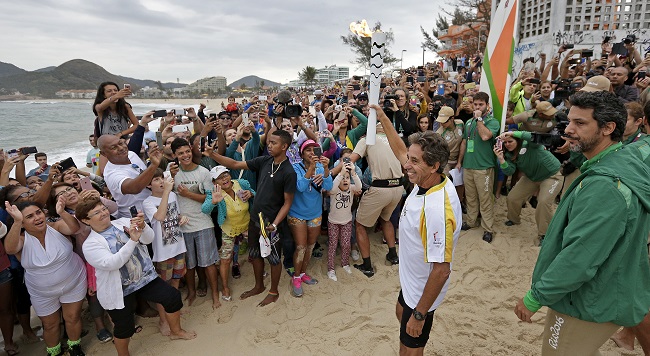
(545, 25)
(328, 75)
(76, 94)
(149, 92)
(212, 83)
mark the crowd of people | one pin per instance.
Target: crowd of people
(160, 211)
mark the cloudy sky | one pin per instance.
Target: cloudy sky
(191, 39)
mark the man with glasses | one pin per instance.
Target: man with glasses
(126, 175)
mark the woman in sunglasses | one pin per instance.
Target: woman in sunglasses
(54, 275)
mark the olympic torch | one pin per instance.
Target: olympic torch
(378, 43)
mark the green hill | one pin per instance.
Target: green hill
(76, 74)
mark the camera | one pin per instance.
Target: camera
(284, 107)
(552, 139)
(387, 103)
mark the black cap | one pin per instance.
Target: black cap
(362, 95)
(629, 38)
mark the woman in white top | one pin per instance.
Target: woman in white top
(55, 276)
(124, 271)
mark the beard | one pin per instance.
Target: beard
(586, 144)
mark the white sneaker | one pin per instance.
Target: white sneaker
(355, 255)
(347, 269)
(332, 275)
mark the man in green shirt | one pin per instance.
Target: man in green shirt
(592, 270)
(478, 166)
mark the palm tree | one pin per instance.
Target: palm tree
(262, 84)
(308, 75)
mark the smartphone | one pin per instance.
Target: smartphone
(534, 81)
(574, 61)
(640, 75)
(167, 174)
(499, 143)
(382, 85)
(441, 89)
(356, 77)
(67, 164)
(568, 46)
(470, 85)
(160, 113)
(604, 57)
(159, 139)
(12, 153)
(180, 128)
(28, 150)
(318, 151)
(338, 108)
(356, 86)
(244, 118)
(587, 53)
(213, 116)
(346, 159)
(127, 86)
(409, 80)
(85, 184)
(465, 99)
(134, 211)
(422, 79)
(263, 97)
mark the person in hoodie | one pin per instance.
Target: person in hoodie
(592, 271)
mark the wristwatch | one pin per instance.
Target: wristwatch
(418, 316)
(480, 119)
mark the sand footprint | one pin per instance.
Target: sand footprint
(226, 313)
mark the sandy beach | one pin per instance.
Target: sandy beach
(356, 315)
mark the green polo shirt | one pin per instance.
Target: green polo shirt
(478, 153)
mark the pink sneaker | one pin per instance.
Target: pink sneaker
(307, 279)
(296, 287)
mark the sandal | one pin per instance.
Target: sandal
(105, 336)
(226, 298)
(201, 292)
(138, 328)
(12, 351)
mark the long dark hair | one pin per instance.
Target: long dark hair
(120, 105)
(514, 153)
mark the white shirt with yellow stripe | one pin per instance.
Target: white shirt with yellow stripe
(428, 231)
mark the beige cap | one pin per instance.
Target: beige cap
(445, 113)
(597, 83)
(545, 108)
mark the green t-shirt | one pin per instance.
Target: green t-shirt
(478, 153)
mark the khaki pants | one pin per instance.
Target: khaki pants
(478, 195)
(567, 336)
(548, 190)
(569, 179)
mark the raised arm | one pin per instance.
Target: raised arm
(396, 144)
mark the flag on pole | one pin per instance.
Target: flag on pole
(497, 60)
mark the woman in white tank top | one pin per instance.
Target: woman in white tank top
(55, 276)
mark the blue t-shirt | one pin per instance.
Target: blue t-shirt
(138, 271)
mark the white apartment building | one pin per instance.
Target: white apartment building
(211, 83)
(545, 25)
(330, 74)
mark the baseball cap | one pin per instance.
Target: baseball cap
(362, 95)
(629, 38)
(545, 108)
(307, 144)
(445, 113)
(318, 92)
(217, 171)
(597, 83)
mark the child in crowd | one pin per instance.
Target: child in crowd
(339, 225)
(161, 209)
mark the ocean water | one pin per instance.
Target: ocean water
(58, 128)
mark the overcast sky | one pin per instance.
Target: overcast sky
(191, 39)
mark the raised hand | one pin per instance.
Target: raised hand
(14, 212)
(217, 197)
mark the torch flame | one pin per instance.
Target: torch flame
(361, 28)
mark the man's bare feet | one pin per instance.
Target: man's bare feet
(624, 339)
(164, 328)
(190, 298)
(183, 335)
(215, 300)
(270, 298)
(252, 292)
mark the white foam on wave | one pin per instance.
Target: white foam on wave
(76, 150)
